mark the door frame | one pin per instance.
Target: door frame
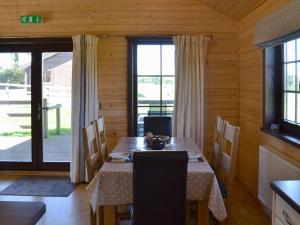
(36, 46)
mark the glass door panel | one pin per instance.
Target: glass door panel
(15, 107)
(56, 106)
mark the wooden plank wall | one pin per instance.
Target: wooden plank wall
(251, 100)
(136, 18)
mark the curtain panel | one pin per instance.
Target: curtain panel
(84, 98)
(190, 58)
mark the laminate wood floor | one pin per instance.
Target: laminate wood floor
(74, 210)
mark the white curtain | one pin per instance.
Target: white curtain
(190, 58)
(84, 98)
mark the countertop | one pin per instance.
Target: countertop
(288, 190)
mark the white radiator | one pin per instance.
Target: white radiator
(272, 167)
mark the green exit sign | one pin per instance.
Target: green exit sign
(31, 19)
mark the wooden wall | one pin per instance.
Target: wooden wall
(133, 17)
(251, 100)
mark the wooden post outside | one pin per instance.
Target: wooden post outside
(45, 117)
(58, 106)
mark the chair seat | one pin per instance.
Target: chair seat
(222, 187)
(21, 213)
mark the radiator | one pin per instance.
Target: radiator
(272, 167)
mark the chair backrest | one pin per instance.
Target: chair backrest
(159, 187)
(216, 150)
(158, 125)
(101, 136)
(229, 148)
(91, 152)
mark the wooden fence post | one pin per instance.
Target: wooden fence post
(58, 119)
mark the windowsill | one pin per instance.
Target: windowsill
(283, 136)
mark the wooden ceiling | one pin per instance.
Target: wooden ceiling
(236, 9)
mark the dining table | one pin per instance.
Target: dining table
(113, 184)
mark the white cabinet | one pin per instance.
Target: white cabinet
(283, 213)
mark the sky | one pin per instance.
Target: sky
(6, 59)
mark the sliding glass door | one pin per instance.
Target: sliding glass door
(35, 104)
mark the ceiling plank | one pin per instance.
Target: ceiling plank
(236, 9)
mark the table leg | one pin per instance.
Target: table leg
(92, 216)
(202, 212)
(188, 208)
(109, 215)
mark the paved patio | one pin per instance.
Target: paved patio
(56, 149)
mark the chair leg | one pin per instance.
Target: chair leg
(100, 215)
(188, 208)
(202, 212)
(109, 214)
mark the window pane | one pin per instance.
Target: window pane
(290, 107)
(15, 107)
(298, 76)
(298, 49)
(290, 76)
(148, 59)
(141, 113)
(56, 89)
(298, 108)
(290, 54)
(169, 111)
(168, 60)
(168, 88)
(149, 89)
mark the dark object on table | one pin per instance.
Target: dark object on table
(159, 187)
(157, 142)
(21, 213)
(158, 125)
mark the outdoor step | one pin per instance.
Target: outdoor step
(25, 126)
(19, 114)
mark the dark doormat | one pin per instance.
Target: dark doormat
(49, 186)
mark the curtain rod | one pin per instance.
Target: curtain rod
(211, 36)
(103, 36)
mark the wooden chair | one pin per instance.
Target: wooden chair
(226, 171)
(158, 125)
(216, 153)
(91, 151)
(159, 187)
(101, 136)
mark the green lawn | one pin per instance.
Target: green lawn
(11, 126)
(51, 132)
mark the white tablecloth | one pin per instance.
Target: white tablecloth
(113, 183)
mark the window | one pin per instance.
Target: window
(48, 76)
(282, 91)
(152, 79)
(291, 88)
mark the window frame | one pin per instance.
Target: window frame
(133, 78)
(286, 126)
(273, 91)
